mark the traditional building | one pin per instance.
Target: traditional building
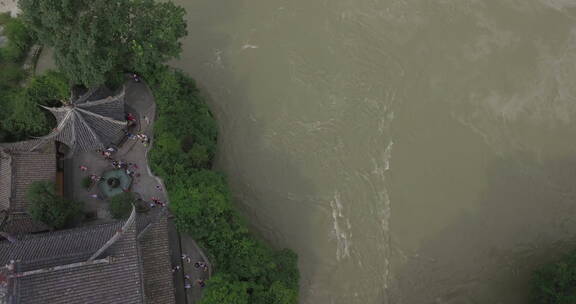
(120, 262)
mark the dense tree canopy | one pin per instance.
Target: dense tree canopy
(222, 289)
(21, 116)
(555, 283)
(50, 208)
(94, 40)
(20, 38)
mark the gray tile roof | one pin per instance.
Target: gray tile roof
(38, 145)
(158, 280)
(85, 124)
(33, 247)
(16, 223)
(5, 180)
(52, 267)
(118, 281)
(29, 167)
(19, 169)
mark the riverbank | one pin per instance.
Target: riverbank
(200, 200)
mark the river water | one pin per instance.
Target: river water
(409, 151)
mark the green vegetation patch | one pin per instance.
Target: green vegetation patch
(20, 38)
(96, 41)
(21, 117)
(248, 270)
(120, 205)
(555, 283)
(50, 208)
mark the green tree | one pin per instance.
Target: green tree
(286, 263)
(186, 130)
(22, 117)
(20, 38)
(278, 293)
(120, 205)
(223, 289)
(50, 208)
(556, 283)
(94, 40)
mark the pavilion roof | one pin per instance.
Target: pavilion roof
(88, 122)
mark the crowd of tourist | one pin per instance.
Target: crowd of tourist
(198, 266)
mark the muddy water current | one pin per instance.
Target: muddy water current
(409, 151)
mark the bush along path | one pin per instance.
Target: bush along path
(246, 270)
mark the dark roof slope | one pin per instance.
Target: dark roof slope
(153, 240)
(19, 169)
(16, 223)
(35, 247)
(85, 124)
(27, 168)
(116, 280)
(5, 180)
(56, 268)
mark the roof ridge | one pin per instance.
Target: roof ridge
(109, 99)
(92, 132)
(29, 237)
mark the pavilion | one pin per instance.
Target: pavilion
(89, 121)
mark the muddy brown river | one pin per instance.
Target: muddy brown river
(410, 151)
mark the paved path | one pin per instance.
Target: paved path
(139, 102)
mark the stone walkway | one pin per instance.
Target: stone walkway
(138, 96)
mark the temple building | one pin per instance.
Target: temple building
(120, 262)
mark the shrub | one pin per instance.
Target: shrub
(187, 123)
(224, 289)
(86, 182)
(26, 117)
(20, 38)
(4, 17)
(120, 205)
(48, 89)
(10, 75)
(556, 283)
(22, 117)
(49, 208)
